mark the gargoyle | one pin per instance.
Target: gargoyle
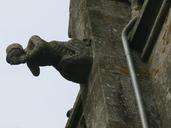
(73, 59)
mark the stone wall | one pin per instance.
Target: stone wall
(160, 72)
(107, 99)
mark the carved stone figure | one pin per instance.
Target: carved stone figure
(73, 59)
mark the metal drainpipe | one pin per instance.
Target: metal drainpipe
(134, 80)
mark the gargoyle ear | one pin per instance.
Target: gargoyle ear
(34, 69)
(87, 41)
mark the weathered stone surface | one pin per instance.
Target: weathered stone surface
(79, 25)
(109, 100)
(146, 88)
(160, 70)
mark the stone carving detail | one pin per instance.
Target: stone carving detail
(73, 59)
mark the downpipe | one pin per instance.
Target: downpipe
(134, 80)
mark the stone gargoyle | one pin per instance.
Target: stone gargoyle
(73, 59)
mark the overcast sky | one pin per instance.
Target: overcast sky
(27, 101)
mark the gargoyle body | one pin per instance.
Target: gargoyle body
(73, 59)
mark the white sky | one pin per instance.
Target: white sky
(27, 101)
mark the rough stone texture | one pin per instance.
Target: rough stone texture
(108, 100)
(160, 70)
(146, 88)
(79, 24)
